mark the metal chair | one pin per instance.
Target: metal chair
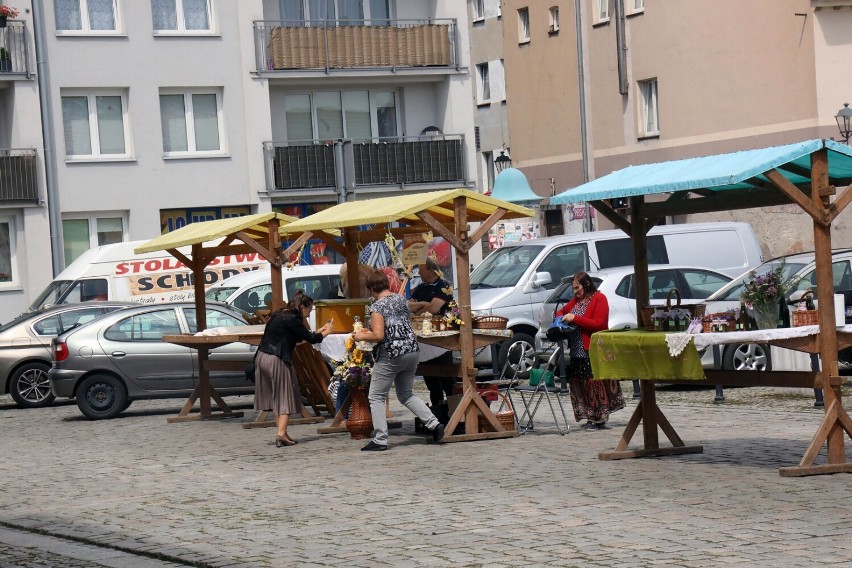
(541, 391)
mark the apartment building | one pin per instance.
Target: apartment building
(669, 80)
(167, 113)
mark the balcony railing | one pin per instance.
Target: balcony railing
(14, 54)
(18, 175)
(396, 161)
(349, 44)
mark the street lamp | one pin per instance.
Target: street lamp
(503, 161)
(844, 122)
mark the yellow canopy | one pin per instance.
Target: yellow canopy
(255, 226)
(439, 204)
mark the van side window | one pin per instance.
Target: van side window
(619, 252)
(564, 261)
(86, 290)
(317, 287)
(253, 298)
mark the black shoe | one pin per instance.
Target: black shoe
(590, 427)
(602, 426)
(374, 447)
(438, 433)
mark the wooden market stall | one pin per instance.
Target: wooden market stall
(814, 175)
(446, 214)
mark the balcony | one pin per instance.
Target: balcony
(18, 175)
(14, 52)
(397, 162)
(350, 45)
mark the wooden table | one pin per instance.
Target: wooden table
(608, 344)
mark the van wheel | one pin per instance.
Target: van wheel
(522, 359)
(101, 396)
(747, 357)
(29, 386)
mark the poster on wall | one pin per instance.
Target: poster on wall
(171, 219)
(315, 251)
(513, 231)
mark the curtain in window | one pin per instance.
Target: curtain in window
(173, 121)
(75, 121)
(110, 230)
(205, 117)
(292, 11)
(110, 124)
(75, 236)
(67, 14)
(5, 252)
(356, 106)
(297, 111)
(350, 12)
(321, 9)
(379, 13)
(195, 16)
(101, 14)
(329, 116)
(165, 14)
(386, 114)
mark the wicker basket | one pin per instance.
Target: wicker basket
(490, 322)
(505, 417)
(695, 311)
(715, 323)
(804, 317)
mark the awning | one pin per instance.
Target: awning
(721, 172)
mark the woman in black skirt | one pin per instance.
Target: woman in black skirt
(276, 388)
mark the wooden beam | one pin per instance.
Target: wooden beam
(481, 231)
(331, 242)
(840, 203)
(259, 248)
(232, 249)
(818, 214)
(297, 244)
(604, 209)
(443, 231)
(180, 256)
(728, 200)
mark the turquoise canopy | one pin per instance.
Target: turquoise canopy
(737, 170)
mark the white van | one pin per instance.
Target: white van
(251, 291)
(115, 272)
(515, 279)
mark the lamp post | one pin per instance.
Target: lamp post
(503, 161)
(844, 122)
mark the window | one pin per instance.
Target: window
(650, 110)
(342, 12)
(150, 326)
(523, 25)
(191, 123)
(483, 88)
(638, 5)
(329, 115)
(85, 16)
(562, 262)
(554, 20)
(478, 10)
(95, 125)
(81, 234)
(603, 11)
(215, 318)
(8, 264)
(702, 283)
(488, 170)
(64, 321)
(182, 16)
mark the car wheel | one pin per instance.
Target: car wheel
(522, 359)
(101, 396)
(29, 386)
(747, 357)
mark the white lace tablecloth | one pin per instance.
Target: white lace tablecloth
(677, 342)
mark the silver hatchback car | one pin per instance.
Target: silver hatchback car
(121, 357)
(25, 355)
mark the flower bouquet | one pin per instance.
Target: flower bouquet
(763, 293)
(8, 12)
(453, 316)
(355, 370)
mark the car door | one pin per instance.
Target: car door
(135, 347)
(237, 351)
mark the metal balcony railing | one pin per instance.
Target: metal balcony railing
(18, 174)
(353, 44)
(393, 161)
(14, 52)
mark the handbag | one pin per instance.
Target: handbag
(559, 329)
(250, 368)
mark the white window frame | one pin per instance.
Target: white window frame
(554, 19)
(483, 84)
(189, 120)
(92, 218)
(638, 6)
(602, 12)
(14, 222)
(84, 21)
(523, 25)
(374, 116)
(650, 109)
(94, 133)
(181, 23)
(365, 8)
(478, 10)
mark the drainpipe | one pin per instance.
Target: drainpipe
(621, 46)
(339, 175)
(581, 79)
(54, 214)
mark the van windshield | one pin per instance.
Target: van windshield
(504, 267)
(220, 294)
(51, 295)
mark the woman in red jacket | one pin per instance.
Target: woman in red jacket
(589, 312)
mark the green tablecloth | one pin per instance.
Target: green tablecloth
(640, 354)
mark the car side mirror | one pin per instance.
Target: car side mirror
(538, 280)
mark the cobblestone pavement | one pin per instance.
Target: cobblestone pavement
(137, 491)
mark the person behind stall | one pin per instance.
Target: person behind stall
(396, 357)
(592, 400)
(433, 296)
(277, 388)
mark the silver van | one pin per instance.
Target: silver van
(514, 280)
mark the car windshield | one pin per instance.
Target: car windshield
(51, 294)
(733, 290)
(220, 294)
(504, 267)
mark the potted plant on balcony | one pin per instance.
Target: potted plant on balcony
(7, 12)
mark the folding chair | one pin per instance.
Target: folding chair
(541, 390)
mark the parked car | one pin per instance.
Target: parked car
(111, 362)
(801, 268)
(694, 284)
(25, 355)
